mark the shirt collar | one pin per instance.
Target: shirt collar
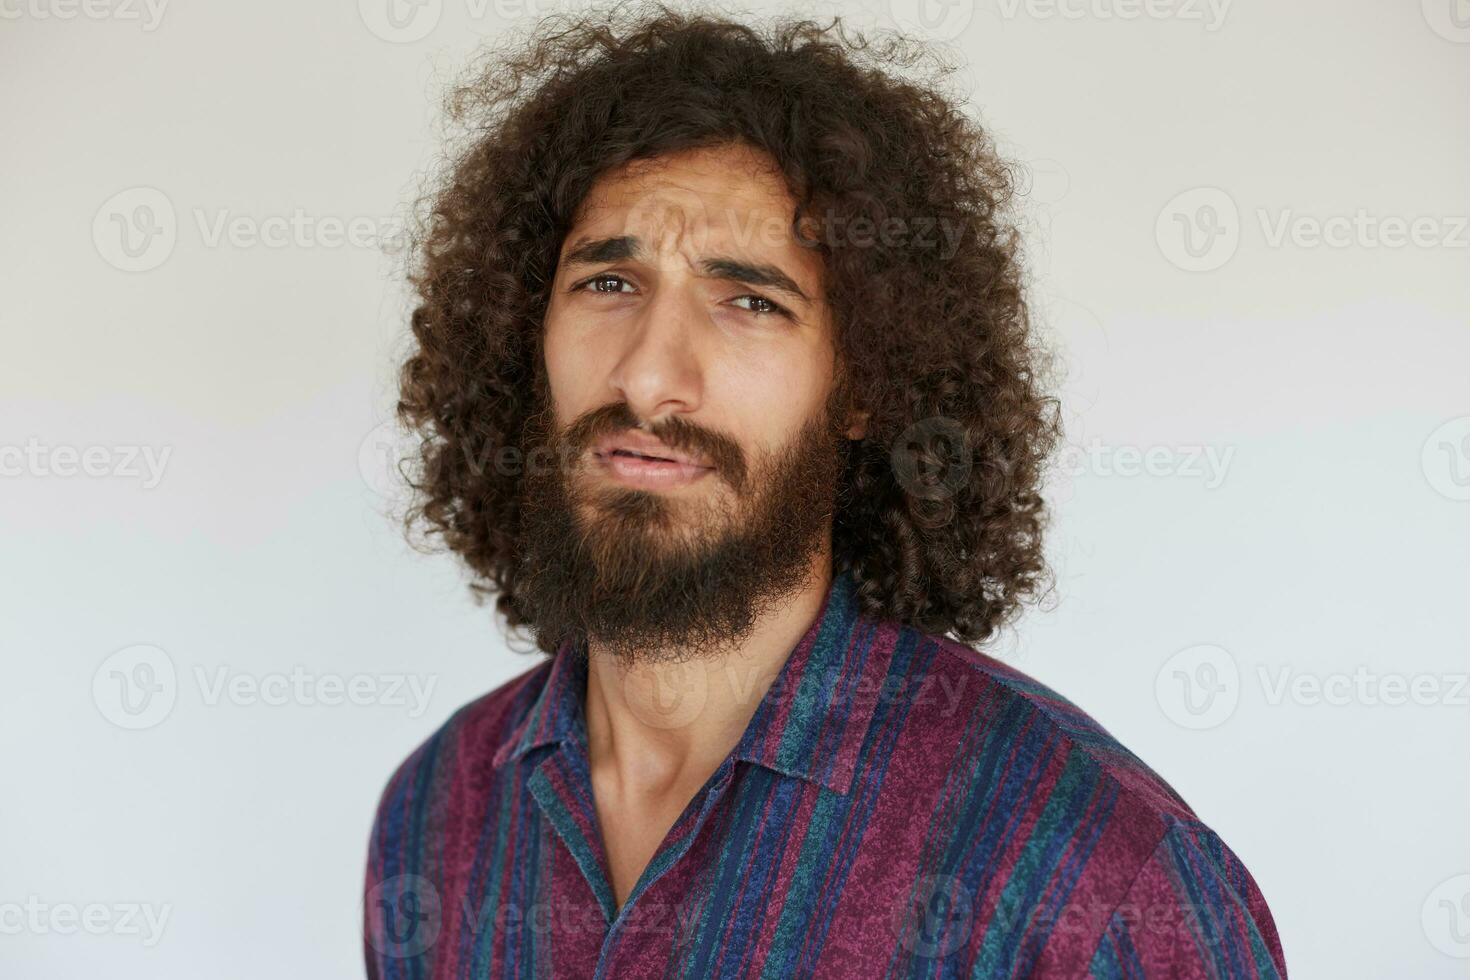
(810, 723)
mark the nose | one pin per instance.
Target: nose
(658, 370)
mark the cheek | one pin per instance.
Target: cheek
(568, 366)
(769, 399)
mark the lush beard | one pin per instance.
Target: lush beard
(649, 578)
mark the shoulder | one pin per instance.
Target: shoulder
(466, 742)
(1016, 705)
(1058, 792)
(414, 823)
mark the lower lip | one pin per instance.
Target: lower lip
(651, 474)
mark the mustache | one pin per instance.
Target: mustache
(677, 433)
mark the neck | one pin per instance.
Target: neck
(654, 726)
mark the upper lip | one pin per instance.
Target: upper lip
(645, 445)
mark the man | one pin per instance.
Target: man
(729, 397)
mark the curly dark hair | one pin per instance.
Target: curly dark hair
(939, 512)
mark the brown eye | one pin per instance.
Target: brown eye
(598, 282)
(761, 306)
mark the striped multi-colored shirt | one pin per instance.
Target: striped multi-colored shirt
(900, 805)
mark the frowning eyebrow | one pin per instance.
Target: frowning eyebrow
(598, 251)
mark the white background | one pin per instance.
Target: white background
(1327, 545)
